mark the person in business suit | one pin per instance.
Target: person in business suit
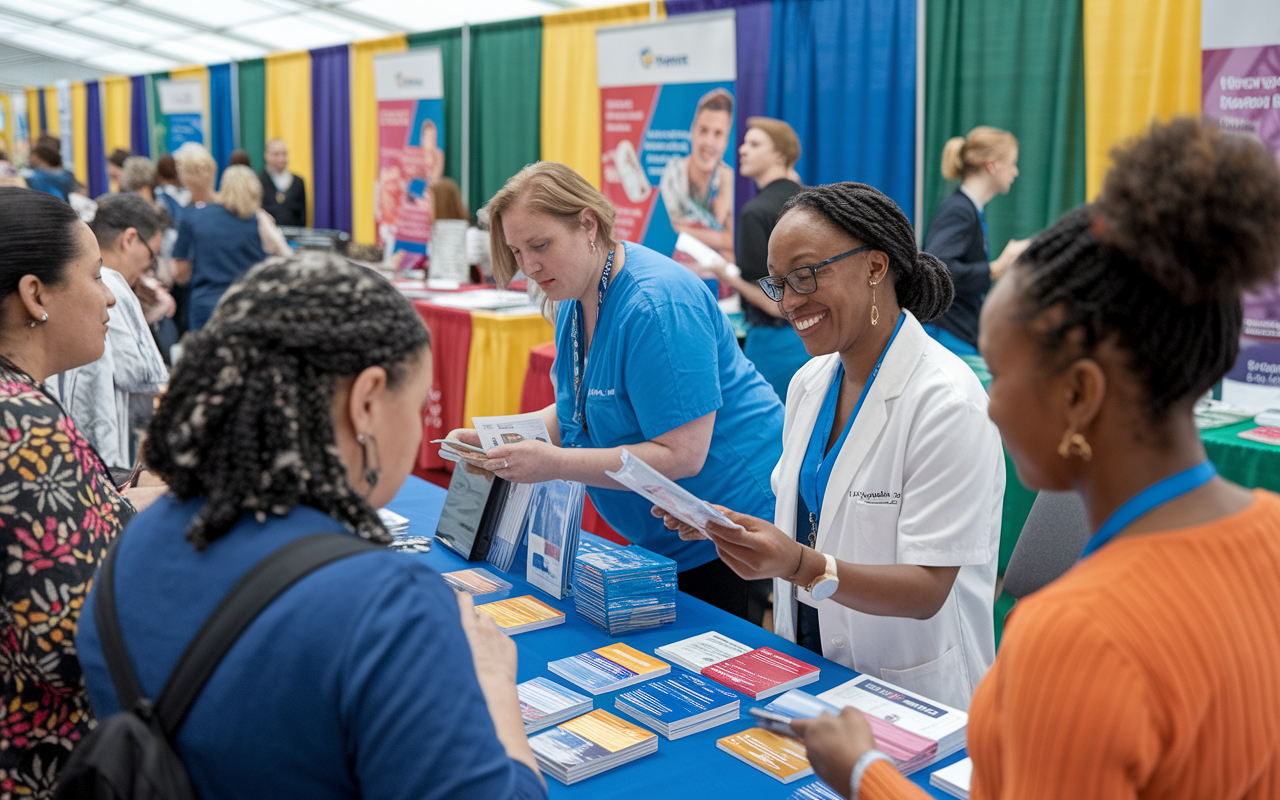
(986, 161)
(284, 194)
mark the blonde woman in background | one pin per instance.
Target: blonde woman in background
(986, 162)
(219, 241)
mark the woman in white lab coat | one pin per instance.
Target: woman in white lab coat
(889, 491)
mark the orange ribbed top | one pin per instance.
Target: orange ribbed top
(1151, 669)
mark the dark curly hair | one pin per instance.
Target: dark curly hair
(247, 419)
(1188, 219)
(922, 282)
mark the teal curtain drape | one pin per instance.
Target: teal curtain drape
(450, 42)
(1017, 65)
(251, 82)
(160, 122)
(506, 86)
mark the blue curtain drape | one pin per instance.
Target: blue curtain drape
(843, 73)
(221, 121)
(754, 29)
(95, 146)
(139, 124)
(331, 136)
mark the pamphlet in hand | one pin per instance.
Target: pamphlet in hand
(908, 750)
(665, 493)
(497, 431)
(911, 712)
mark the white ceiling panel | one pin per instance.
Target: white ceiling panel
(60, 43)
(219, 49)
(53, 10)
(351, 29)
(131, 62)
(215, 13)
(121, 32)
(292, 33)
(433, 14)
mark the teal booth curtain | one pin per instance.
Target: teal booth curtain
(506, 86)
(450, 42)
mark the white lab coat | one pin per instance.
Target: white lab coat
(919, 480)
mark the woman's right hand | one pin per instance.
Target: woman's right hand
(493, 652)
(471, 437)
(1012, 250)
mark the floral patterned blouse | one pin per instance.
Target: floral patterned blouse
(58, 512)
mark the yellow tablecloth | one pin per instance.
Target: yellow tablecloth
(499, 357)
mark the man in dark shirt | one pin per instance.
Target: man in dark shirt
(769, 151)
(284, 194)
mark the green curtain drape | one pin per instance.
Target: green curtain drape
(1017, 65)
(251, 82)
(450, 41)
(506, 89)
(159, 122)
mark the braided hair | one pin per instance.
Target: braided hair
(1188, 219)
(247, 419)
(922, 282)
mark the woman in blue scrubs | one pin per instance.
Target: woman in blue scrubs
(644, 359)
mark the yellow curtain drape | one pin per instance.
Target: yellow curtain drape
(1141, 63)
(33, 114)
(53, 125)
(10, 125)
(498, 360)
(570, 94)
(200, 73)
(117, 95)
(289, 113)
(80, 131)
(364, 133)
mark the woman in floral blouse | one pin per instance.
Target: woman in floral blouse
(58, 507)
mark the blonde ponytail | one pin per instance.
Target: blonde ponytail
(965, 155)
(953, 158)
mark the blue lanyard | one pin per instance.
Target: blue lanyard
(825, 462)
(579, 356)
(1155, 495)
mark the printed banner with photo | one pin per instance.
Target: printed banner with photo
(410, 92)
(667, 133)
(1240, 81)
(182, 103)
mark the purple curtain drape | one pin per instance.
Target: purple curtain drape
(331, 136)
(754, 29)
(95, 148)
(39, 116)
(139, 124)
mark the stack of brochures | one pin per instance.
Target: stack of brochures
(814, 791)
(509, 533)
(912, 713)
(610, 668)
(679, 705)
(625, 590)
(699, 652)
(762, 673)
(524, 613)
(779, 756)
(909, 751)
(481, 584)
(555, 521)
(589, 745)
(544, 703)
(954, 780)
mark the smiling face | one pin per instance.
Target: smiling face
(758, 154)
(710, 138)
(554, 252)
(76, 331)
(835, 317)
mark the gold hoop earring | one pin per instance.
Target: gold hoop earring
(1074, 444)
(875, 312)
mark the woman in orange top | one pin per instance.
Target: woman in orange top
(1152, 668)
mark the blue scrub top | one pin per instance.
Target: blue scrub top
(221, 247)
(663, 354)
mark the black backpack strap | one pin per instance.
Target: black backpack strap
(262, 584)
(123, 678)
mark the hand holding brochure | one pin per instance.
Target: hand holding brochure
(665, 493)
(497, 431)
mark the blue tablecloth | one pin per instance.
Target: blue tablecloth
(691, 767)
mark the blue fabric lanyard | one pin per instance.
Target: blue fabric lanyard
(575, 336)
(815, 472)
(1153, 496)
(986, 248)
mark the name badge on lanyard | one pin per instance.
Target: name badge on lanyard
(579, 353)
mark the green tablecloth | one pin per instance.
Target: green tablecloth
(1250, 464)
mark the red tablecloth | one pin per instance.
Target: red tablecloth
(538, 393)
(450, 347)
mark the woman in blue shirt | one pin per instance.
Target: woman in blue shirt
(296, 411)
(644, 359)
(219, 242)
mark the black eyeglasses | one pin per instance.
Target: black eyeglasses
(802, 280)
(155, 255)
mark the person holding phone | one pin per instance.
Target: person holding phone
(889, 491)
(645, 360)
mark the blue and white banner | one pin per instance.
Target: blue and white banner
(182, 102)
(667, 132)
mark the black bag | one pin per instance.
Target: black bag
(130, 755)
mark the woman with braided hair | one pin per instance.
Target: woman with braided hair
(884, 542)
(1149, 669)
(297, 410)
